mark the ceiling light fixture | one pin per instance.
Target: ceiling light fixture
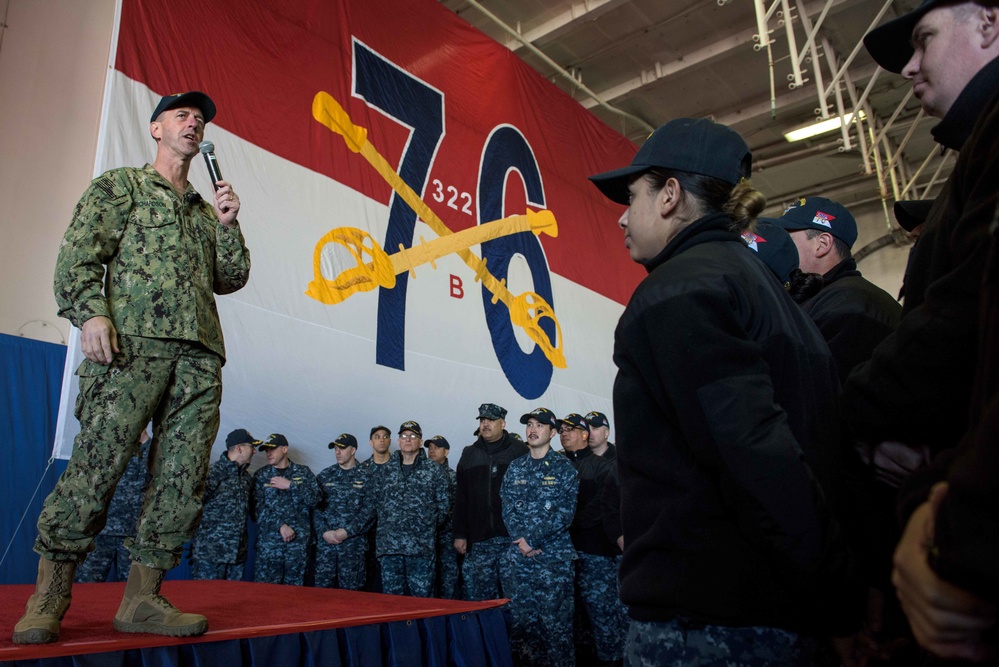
(821, 127)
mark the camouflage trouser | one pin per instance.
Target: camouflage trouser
(540, 610)
(280, 562)
(205, 570)
(679, 644)
(341, 565)
(481, 569)
(447, 567)
(176, 385)
(108, 550)
(407, 575)
(373, 569)
(596, 579)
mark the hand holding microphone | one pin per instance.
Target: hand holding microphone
(226, 201)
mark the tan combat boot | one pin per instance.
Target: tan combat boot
(45, 609)
(143, 609)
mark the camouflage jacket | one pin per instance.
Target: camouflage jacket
(126, 503)
(166, 256)
(539, 502)
(221, 537)
(343, 501)
(452, 483)
(273, 507)
(410, 507)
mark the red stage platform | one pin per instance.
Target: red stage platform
(235, 611)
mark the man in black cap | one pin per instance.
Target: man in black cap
(411, 503)
(918, 384)
(853, 314)
(284, 493)
(218, 550)
(446, 584)
(600, 443)
(342, 518)
(479, 532)
(137, 272)
(380, 440)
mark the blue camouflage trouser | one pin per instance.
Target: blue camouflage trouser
(205, 570)
(447, 567)
(108, 550)
(407, 575)
(541, 607)
(280, 562)
(341, 565)
(683, 644)
(481, 569)
(596, 579)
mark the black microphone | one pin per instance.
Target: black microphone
(208, 150)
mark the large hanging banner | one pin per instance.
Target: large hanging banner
(414, 197)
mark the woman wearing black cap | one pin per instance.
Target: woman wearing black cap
(725, 408)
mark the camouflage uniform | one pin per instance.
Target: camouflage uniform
(410, 506)
(447, 557)
(342, 505)
(165, 254)
(373, 570)
(277, 561)
(539, 501)
(123, 517)
(680, 643)
(219, 547)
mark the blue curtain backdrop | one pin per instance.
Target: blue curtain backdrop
(31, 377)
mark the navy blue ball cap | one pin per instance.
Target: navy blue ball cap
(693, 145)
(543, 415)
(273, 440)
(822, 214)
(775, 247)
(194, 98)
(910, 213)
(411, 426)
(890, 44)
(375, 429)
(575, 421)
(239, 437)
(594, 418)
(343, 441)
(438, 440)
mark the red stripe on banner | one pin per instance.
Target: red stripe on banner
(264, 62)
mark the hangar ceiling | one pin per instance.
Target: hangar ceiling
(636, 64)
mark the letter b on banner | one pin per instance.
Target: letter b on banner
(507, 149)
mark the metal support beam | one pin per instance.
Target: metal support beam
(568, 20)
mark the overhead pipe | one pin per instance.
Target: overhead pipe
(856, 49)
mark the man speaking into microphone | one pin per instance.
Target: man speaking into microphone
(137, 272)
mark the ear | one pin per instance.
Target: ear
(824, 244)
(988, 25)
(155, 130)
(668, 198)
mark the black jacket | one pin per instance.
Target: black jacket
(853, 314)
(587, 530)
(477, 512)
(916, 386)
(725, 406)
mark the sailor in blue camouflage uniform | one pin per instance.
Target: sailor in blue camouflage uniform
(412, 503)
(342, 519)
(381, 444)
(218, 550)
(123, 517)
(284, 494)
(446, 578)
(539, 501)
